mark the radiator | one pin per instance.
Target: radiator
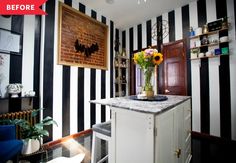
(26, 114)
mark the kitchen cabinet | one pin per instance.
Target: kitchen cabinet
(150, 132)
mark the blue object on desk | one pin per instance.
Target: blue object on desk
(9, 145)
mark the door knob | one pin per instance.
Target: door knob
(167, 91)
(178, 152)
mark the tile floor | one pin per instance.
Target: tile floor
(203, 150)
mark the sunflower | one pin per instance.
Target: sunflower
(135, 58)
(157, 58)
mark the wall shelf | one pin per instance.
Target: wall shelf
(121, 75)
(208, 33)
(213, 48)
(213, 56)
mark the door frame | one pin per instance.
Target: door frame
(161, 84)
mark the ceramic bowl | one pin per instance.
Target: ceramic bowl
(224, 39)
(200, 55)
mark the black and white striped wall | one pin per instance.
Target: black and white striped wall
(211, 82)
(64, 91)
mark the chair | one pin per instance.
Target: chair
(101, 131)
(10, 147)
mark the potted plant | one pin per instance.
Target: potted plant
(31, 134)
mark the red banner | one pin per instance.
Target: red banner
(21, 7)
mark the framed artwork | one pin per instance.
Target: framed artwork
(82, 40)
(10, 42)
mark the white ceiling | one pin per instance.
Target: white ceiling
(126, 13)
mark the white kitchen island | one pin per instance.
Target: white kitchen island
(150, 131)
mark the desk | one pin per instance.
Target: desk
(150, 132)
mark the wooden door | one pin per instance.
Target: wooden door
(174, 79)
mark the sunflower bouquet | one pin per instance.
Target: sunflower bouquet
(147, 60)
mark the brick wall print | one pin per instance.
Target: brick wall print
(82, 40)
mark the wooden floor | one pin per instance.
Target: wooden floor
(204, 150)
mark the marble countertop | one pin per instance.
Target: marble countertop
(153, 107)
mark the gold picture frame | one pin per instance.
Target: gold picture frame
(82, 40)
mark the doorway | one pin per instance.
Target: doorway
(173, 78)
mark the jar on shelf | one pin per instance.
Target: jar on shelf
(204, 40)
(191, 32)
(205, 29)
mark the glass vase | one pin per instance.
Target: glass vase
(148, 81)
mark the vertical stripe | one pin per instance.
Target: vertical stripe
(224, 77)
(178, 24)
(108, 86)
(81, 89)
(66, 94)
(159, 43)
(16, 60)
(204, 97)
(28, 50)
(132, 66)
(195, 74)
(154, 21)
(149, 33)
(201, 8)
(82, 8)
(204, 76)
(80, 99)
(68, 2)
(66, 101)
(57, 86)
(48, 64)
(92, 96)
(159, 32)
(37, 35)
(139, 41)
(231, 12)
(171, 20)
(144, 35)
(98, 86)
(135, 38)
(73, 100)
(139, 27)
(73, 91)
(213, 78)
(94, 14)
(87, 88)
(103, 86)
(111, 58)
(185, 26)
(165, 25)
(15, 75)
(124, 39)
(93, 85)
(235, 18)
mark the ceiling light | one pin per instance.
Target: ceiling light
(110, 1)
(139, 1)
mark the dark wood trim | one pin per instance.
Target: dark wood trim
(55, 142)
